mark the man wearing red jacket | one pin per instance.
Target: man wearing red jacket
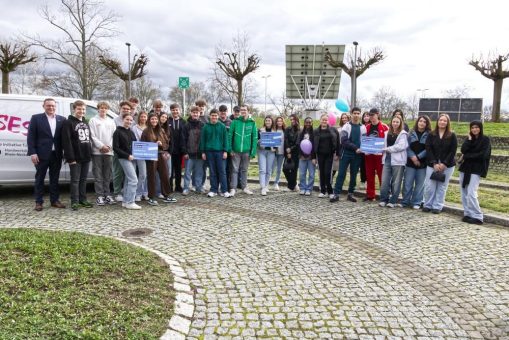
(375, 128)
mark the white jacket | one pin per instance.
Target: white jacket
(101, 132)
(398, 150)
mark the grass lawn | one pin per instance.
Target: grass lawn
(58, 285)
(491, 199)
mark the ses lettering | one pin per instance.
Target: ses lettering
(13, 124)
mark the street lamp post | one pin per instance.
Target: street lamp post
(354, 80)
(423, 92)
(129, 69)
(266, 77)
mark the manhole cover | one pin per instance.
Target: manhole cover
(137, 232)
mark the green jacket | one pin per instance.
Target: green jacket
(244, 136)
(214, 137)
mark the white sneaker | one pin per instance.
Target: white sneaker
(264, 191)
(308, 193)
(211, 194)
(296, 187)
(247, 191)
(276, 187)
(389, 205)
(193, 189)
(382, 204)
(100, 200)
(398, 205)
(321, 195)
(232, 192)
(161, 196)
(137, 199)
(226, 194)
(416, 207)
(119, 198)
(132, 206)
(362, 186)
(331, 196)
(185, 192)
(110, 200)
(302, 192)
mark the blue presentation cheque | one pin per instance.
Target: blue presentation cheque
(271, 139)
(145, 151)
(372, 145)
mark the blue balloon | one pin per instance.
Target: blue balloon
(342, 105)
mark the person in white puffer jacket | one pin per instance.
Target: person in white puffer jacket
(394, 161)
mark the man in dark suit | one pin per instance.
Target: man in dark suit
(44, 141)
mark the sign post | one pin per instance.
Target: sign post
(183, 85)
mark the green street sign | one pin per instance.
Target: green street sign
(183, 83)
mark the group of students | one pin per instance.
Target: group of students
(420, 160)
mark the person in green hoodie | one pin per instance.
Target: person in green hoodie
(244, 142)
(215, 148)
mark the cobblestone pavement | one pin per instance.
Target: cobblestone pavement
(291, 266)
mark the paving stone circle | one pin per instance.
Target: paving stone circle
(290, 266)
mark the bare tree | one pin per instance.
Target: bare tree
(286, 106)
(361, 65)
(492, 68)
(196, 90)
(146, 91)
(137, 69)
(387, 101)
(458, 92)
(83, 23)
(68, 83)
(237, 63)
(11, 57)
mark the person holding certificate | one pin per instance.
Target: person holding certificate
(375, 128)
(266, 155)
(394, 160)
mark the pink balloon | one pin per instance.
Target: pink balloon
(332, 119)
(306, 146)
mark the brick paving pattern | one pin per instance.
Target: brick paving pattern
(290, 266)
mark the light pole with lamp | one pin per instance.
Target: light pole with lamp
(423, 92)
(265, 77)
(354, 76)
(129, 69)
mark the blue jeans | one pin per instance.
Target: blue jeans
(469, 198)
(354, 161)
(194, 173)
(306, 166)
(130, 182)
(217, 166)
(413, 186)
(278, 165)
(265, 163)
(392, 176)
(142, 188)
(434, 191)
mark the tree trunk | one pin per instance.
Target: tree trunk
(5, 82)
(239, 92)
(497, 99)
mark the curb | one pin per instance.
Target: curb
(454, 210)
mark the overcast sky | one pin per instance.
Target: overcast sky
(427, 43)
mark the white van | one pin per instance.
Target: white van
(15, 113)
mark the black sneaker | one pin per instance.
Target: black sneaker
(424, 209)
(152, 201)
(466, 219)
(475, 221)
(351, 198)
(169, 199)
(435, 211)
(367, 199)
(335, 198)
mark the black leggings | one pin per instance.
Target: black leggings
(325, 168)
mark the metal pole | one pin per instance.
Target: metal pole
(183, 102)
(129, 69)
(265, 77)
(354, 83)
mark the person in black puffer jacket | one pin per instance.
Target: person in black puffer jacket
(476, 153)
(291, 145)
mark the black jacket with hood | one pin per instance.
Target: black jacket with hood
(76, 140)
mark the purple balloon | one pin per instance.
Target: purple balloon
(306, 146)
